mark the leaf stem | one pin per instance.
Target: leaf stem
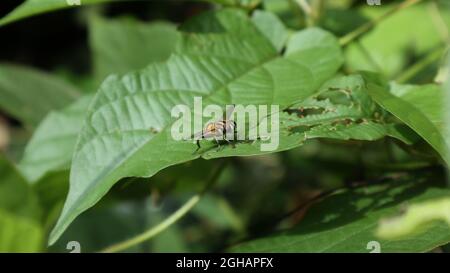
(173, 218)
(311, 12)
(305, 7)
(420, 65)
(369, 25)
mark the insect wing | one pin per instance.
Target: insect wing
(211, 134)
(229, 109)
(198, 135)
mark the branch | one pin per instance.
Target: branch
(173, 218)
(413, 70)
(369, 25)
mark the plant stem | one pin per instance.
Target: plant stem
(297, 11)
(173, 218)
(317, 10)
(369, 25)
(439, 22)
(420, 65)
(305, 6)
(154, 230)
(312, 12)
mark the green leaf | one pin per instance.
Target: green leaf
(389, 47)
(29, 94)
(127, 130)
(156, 40)
(368, 130)
(20, 212)
(122, 45)
(312, 48)
(178, 152)
(18, 235)
(271, 27)
(429, 99)
(419, 107)
(340, 109)
(347, 220)
(16, 195)
(341, 21)
(415, 220)
(53, 142)
(51, 190)
(35, 7)
(288, 11)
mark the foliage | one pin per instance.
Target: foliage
(348, 219)
(375, 143)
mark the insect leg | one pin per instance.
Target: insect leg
(218, 144)
(198, 146)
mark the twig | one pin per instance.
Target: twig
(439, 22)
(303, 4)
(369, 25)
(420, 65)
(183, 210)
(305, 7)
(312, 12)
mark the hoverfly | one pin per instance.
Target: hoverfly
(218, 130)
